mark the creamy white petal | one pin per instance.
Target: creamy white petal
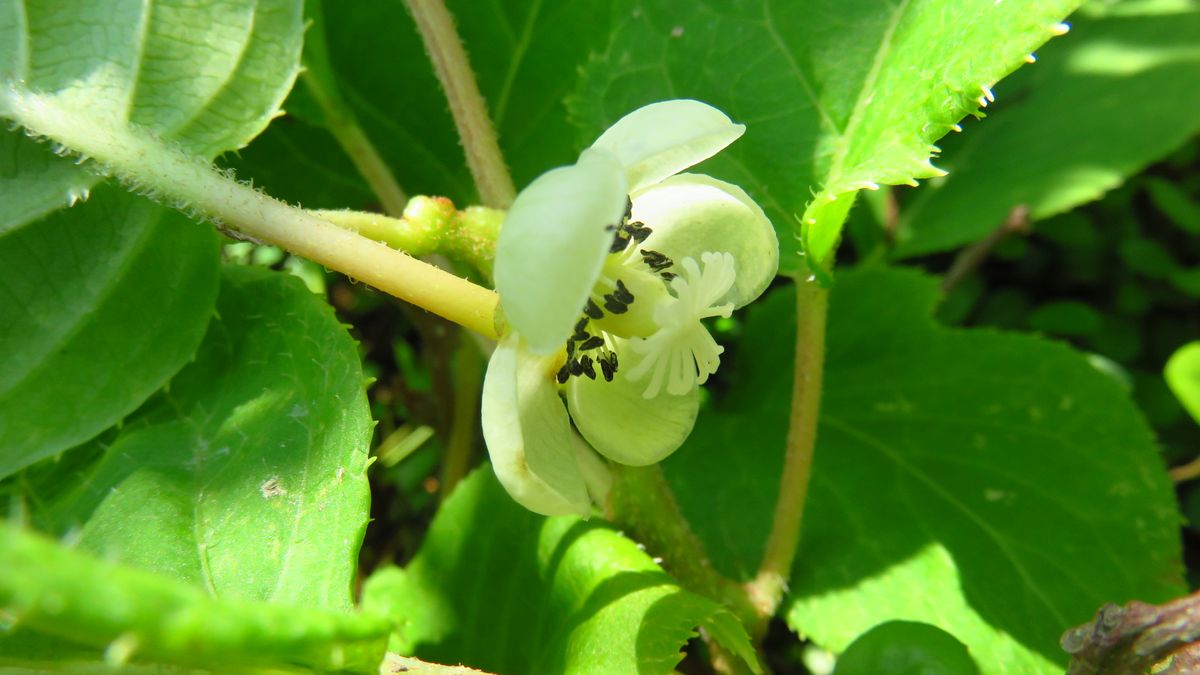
(552, 245)
(528, 434)
(596, 473)
(662, 139)
(623, 426)
(692, 213)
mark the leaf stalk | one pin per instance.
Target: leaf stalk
(154, 167)
(767, 588)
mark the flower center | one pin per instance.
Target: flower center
(681, 352)
(623, 302)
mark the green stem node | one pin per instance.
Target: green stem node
(430, 225)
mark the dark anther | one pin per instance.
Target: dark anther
(585, 362)
(656, 261)
(607, 368)
(628, 209)
(620, 242)
(638, 231)
(592, 311)
(575, 367)
(591, 343)
(612, 358)
(570, 347)
(623, 293)
(563, 374)
(614, 305)
(667, 276)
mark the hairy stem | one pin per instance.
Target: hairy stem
(466, 103)
(188, 182)
(643, 505)
(767, 587)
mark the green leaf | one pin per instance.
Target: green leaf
(499, 588)
(994, 485)
(85, 602)
(300, 162)
(524, 55)
(34, 182)
(1183, 377)
(1101, 104)
(1174, 203)
(836, 96)
(247, 476)
(117, 286)
(102, 304)
(906, 648)
(1065, 317)
(207, 75)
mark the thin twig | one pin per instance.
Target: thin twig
(470, 113)
(1137, 638)
(460, 445)
(1186, 472)
(970, 258)
(767, 587)
(358, 147)
(318, 76)
(891, 215)
(152, 166)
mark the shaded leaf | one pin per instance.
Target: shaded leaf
(524, 55)
(906, 648)
(996, 486)
(247, 476)
(499, 588)
(103, 303)
(1101, 104)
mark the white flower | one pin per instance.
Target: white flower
(606, 269)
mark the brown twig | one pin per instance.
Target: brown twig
(1137, 638)
(970, 258)
(1185, 472)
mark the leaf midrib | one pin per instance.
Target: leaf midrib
(949, 498)
(861, 102)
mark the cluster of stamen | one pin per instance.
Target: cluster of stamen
(579, 363)
(587, 351)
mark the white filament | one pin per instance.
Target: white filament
(681, 352)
